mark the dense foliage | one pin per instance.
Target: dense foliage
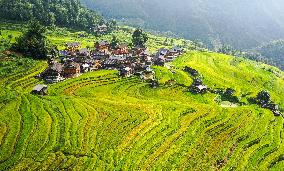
(270, 53)
(273, 52)
(68, 13)
(114, 42)
(139, 38)
(263, 97)
(33, 42)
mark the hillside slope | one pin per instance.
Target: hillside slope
(243, 24)
(104, 122)
(274, 51)
(59, 36)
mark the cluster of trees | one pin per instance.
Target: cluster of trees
(33, 42)
(66, 13)
(271, 53)
(264, 100)
(139, 39)
(5, 42)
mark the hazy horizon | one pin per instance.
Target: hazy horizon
(243, 24)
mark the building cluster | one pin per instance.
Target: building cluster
(75, 60)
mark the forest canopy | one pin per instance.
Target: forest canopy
(66, 13)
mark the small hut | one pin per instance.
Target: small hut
(126, 72)
(40, 89)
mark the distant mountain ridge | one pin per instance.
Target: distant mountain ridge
(242, 24)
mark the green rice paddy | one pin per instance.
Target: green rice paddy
(100, 121)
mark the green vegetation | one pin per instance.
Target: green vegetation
(33, 42)
(67, 13)
(241, 24)
(60, 36)
(100, 121)
(211, 22)
(139, 38)
(272, 52)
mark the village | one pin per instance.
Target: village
(75, 60)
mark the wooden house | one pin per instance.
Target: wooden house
(97, 65)
(126, 72)
(72, 48)
(148, 61)
(40, 89)
(144, 55)
(117, 57)
(173, 54)
(175, 51)
(84, 52)
(170, 58)
(71, 70)
(136, 51)
(85, 68)
(112, 64)
(102, 29)
(162, 52)
(121, 49)
(160, 61)
(82, 56)
(103, 46)
(53, 73)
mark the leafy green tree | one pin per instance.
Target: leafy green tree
(229, 95)
(139, 38)
(5, 42)
(33, 42)
(114, 42)
(263, 97)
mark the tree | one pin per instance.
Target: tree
(263, 98)
(114, 42)
(139, 38)
(228, 95)
(54, 52)
(33, 42)
(111, 25)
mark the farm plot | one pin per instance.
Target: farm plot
(100, 121)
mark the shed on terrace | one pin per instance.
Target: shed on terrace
(40, 89)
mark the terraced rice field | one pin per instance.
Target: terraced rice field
(100, 121)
